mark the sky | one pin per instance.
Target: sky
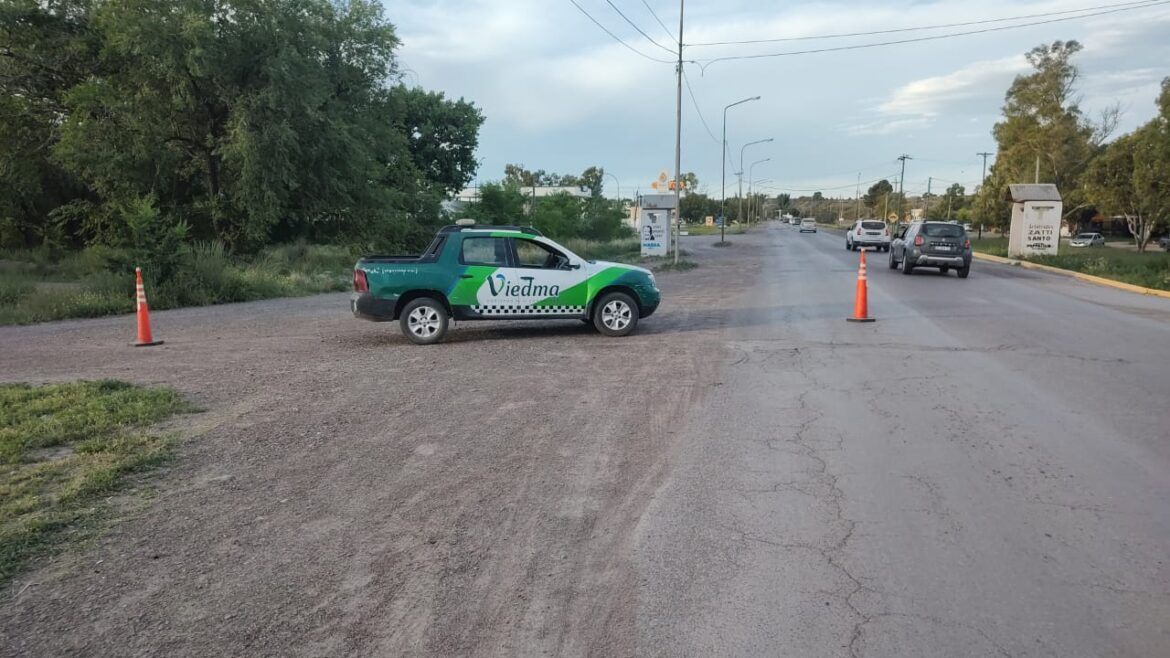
(559, 94)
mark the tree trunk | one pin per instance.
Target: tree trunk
(1139, 230)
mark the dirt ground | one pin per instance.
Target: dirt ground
(346, 493)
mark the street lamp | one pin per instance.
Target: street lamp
(740, 173)
(723, 157)
(750, 168)
(752, 210)
(619, 186)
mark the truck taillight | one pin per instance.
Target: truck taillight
(967, 244)
(359, 282)
(918, 241)
(887, 233)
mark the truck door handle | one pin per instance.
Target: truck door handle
(465, 276)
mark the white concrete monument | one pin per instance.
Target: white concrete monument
(1036, 215)
(654, 224)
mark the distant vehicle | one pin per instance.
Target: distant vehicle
(473, 272)
(868, 233)
(1164, 243)
(932, 244)
(794, 220)
(968, 226)
(1087, 240)
(808, 226)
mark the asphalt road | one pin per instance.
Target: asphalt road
(984, 471)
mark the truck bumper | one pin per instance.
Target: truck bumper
(367, 307)
(941, 261)
(648, 300)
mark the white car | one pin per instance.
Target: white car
(1087, 240)
(808, 225)
(868, 233)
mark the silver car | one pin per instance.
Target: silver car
(1087, 240)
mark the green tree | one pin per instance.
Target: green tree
(877, 195)
(951, 202)
(247, 121)
(499, 204)
(1043, 124)
(1129, 178)
(46, 48)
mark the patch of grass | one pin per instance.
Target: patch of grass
(670, 266)
(621, 250)
(1150, 269)
(992, 246)
(701, 229)
(63, 447)
(104, 284)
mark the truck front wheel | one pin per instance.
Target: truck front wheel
(424, 321)
(615, 314)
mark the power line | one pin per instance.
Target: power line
(651, 10)
(822, 189)
(617, 38)
(700, 112)
(635, 26)
(921, 28)
(709, 62)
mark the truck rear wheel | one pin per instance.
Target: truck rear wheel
(615, 314)
(424, 321)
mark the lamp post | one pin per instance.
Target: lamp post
(740, 173)
(723, 157)
(753, 210)
(751, 167)
(618, 184)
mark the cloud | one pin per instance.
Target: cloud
(559, 94)
(886, 127)
(928, 97)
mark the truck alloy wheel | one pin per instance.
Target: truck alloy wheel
(424, 321)
(615, 314)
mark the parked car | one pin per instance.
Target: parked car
(473, 272)
(808, 225)
(868, 233)
(932, 244)
(1087, 240)
(1164, 243)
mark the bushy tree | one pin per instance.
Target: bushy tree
(877, 197)
(249, 121)
(1043, 123)
(1130, 177)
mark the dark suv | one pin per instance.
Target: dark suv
(932, 244)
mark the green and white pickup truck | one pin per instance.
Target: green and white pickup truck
(476, 272)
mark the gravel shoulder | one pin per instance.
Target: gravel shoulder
(348, 493)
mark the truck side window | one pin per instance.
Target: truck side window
(485, 251)
(534, 254)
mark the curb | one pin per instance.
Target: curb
(1101, 281)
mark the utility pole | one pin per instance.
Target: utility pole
(926, 199)
(858, 196)
(901, 183)
(1037, 169)
(982, 183)
(678, 138)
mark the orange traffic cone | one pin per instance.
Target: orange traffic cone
(861, 302)
(145, 339)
